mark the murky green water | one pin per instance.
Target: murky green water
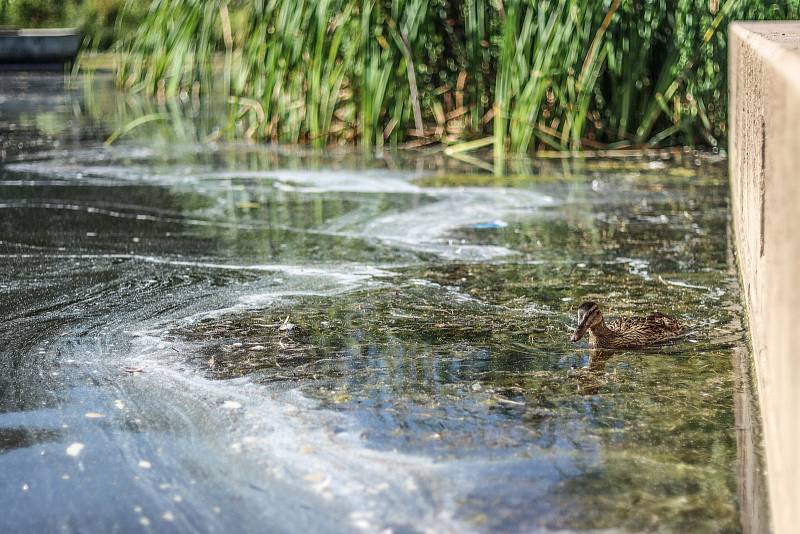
(334, 342)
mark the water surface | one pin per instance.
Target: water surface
(210, 336)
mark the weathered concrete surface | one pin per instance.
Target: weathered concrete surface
(765, 187)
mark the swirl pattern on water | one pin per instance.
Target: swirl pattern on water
(222, 337)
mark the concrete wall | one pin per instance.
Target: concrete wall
(764, 156)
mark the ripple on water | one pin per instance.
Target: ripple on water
(425, 382)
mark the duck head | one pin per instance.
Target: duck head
(589, 316)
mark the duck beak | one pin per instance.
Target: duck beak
(580, 331)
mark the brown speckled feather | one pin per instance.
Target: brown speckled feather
(637, 332)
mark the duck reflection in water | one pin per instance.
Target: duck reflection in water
(593, 376)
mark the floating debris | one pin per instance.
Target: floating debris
(493, 225)
(286, 326)
(231, 405)
(503, 400)
(75, 449)
(682, 284)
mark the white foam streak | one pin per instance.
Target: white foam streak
(286, 436)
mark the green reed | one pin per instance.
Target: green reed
(527, 74)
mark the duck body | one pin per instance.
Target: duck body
(625, 332)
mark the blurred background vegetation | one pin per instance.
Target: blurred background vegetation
(517, 75)
(101, 21)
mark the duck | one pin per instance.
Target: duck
(625, 332)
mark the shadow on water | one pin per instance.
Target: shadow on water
(18, 438)
(242, 336)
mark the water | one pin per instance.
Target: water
(220, 337)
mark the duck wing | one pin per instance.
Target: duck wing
(654, 328)
(664, 322)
